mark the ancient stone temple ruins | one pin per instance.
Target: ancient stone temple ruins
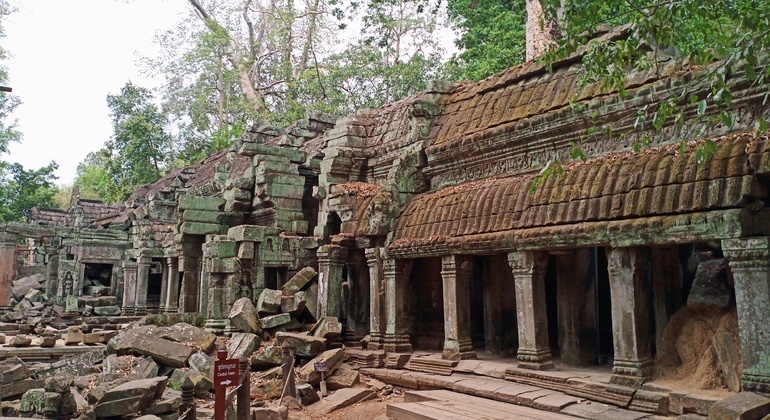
(421, 222)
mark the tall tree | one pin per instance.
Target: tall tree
(491, 36)
(22, 189)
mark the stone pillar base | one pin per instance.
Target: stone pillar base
(397, 344)
(755, 383)
(462, 350)
(631, 373)
(215, 326)
(535, 359)
(172, 309)
(375, 342)
(127, 310)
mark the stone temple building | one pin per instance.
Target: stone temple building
(425, 229)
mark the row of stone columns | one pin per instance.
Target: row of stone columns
(136, 277)
(628, 272)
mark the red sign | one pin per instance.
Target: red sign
(225, 373)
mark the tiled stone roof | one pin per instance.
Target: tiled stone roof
(50, 217)
(654, 182)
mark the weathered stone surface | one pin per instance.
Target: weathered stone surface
(301, 344)
(48, 341)
(189, 335)
(307, 394)
(107, 310)
(92, 338)
(270, 389)
(267, 357)
(244, 317)
(741, 406)
(58, 384)
(164, 351)
(145, 368)
(294, 304)
(331, 358)
(726, 344)
(38, 401)
(19, 387)
(73, 337)
(299, 281)
(269, 302)
(82, 364)
(270, 413)
(343, 398)
(344, 377)
(710, 286)
(19, 341)
(130, 397)
(273, 321)
(189, 202)
(203, 363)
(116, 364)
(23, 285)
(243, 344)
(168, 402)
(327, 327)
(14, 369)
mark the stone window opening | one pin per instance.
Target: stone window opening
(97, 279)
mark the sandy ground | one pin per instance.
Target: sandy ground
(368, 410)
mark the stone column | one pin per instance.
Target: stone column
(52, 271)
(164, 287)
(627, 269)
(142, 281)
(7, 267)
(456, 272)
(331, 260)
(396, 274)
(376, 298)
(172, 285)
(188, 301)
(357, 324)
(576, 307)
(528, 269)
(129, 287)
(750, 266)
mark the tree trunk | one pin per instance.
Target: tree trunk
(540, 31)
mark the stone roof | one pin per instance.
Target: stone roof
(50, 217)
(618, 186)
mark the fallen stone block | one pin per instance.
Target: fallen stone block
(743, 406)
(301, 344)
(82, 364)
(269, 302)
(92, 338)
(145, 368)
(267, 357)
(163, 351)
(130, 397)
(23, 285)
(168, 403)
(203, 363)
(293, 304)
(344, 377)
(327, 327)
(38, 401)
(107, 310)
(274, 321)
(343, 398)
(244, 317)
(19, 341)
(74, 336)
(48, 341)
(19, 387)
(270, 413)
(189, 335)
(14, 369)
(307, 394)
(58, 384)
(243, 344)
(299, 281)
(331, 358)
(201, 384)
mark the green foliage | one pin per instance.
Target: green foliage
(22, 189)
(93, 181)
(491, 36)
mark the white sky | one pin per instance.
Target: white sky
(66, 57)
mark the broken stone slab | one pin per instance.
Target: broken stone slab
(168, 403)
(145, 368)
(271, 389)
(201, 384)
(38, 401)
(743, 405)
(48, 341)
(107, 310)
(58, 384)
(331, 358)
(79, 365)
(189, 335)
(269, 302)
(299, 281)
(244, 317)
(20, 340)
(267, 357)
(14, 369)
(203, 363)
(293, 304)
(307, 394)
(97, 392)
(14, 389)
(167, 352)
(344, 377)
(343, 398)
(92, 338)
(116, 364)
(327, 327)
(243, 344)
(74, 336)
(273, 321)
(23, 285)
(130, 397)
(270, 413)
(301, 344)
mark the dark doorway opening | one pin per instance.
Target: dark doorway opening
(154, 283)
(276, 277)
(97, 279)
(605, 346)
(480, 272)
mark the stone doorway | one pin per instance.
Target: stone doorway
(427, 306)
(154, 284)
(493, 306)
(97, 279)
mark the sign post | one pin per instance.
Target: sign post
(225, 375)
(321, 367)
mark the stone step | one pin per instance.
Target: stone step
(425, 405)
(431, 364)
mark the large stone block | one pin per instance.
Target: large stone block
(14, 369)
(331, 358)
(198, 228)
(203, 363)
(327, 327)
(267, 357)
(274, 321)
(130, 398)
(189, 335)
(294, 304)
(189, 202)
(301, 344)
(243, 344)
(741, 406)
(163, 351)
(38, 401)
(269, 302)
(225, 265)
(299, 281)
(250, 233)
(244, 317)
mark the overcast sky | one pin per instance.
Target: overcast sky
(66, 57)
